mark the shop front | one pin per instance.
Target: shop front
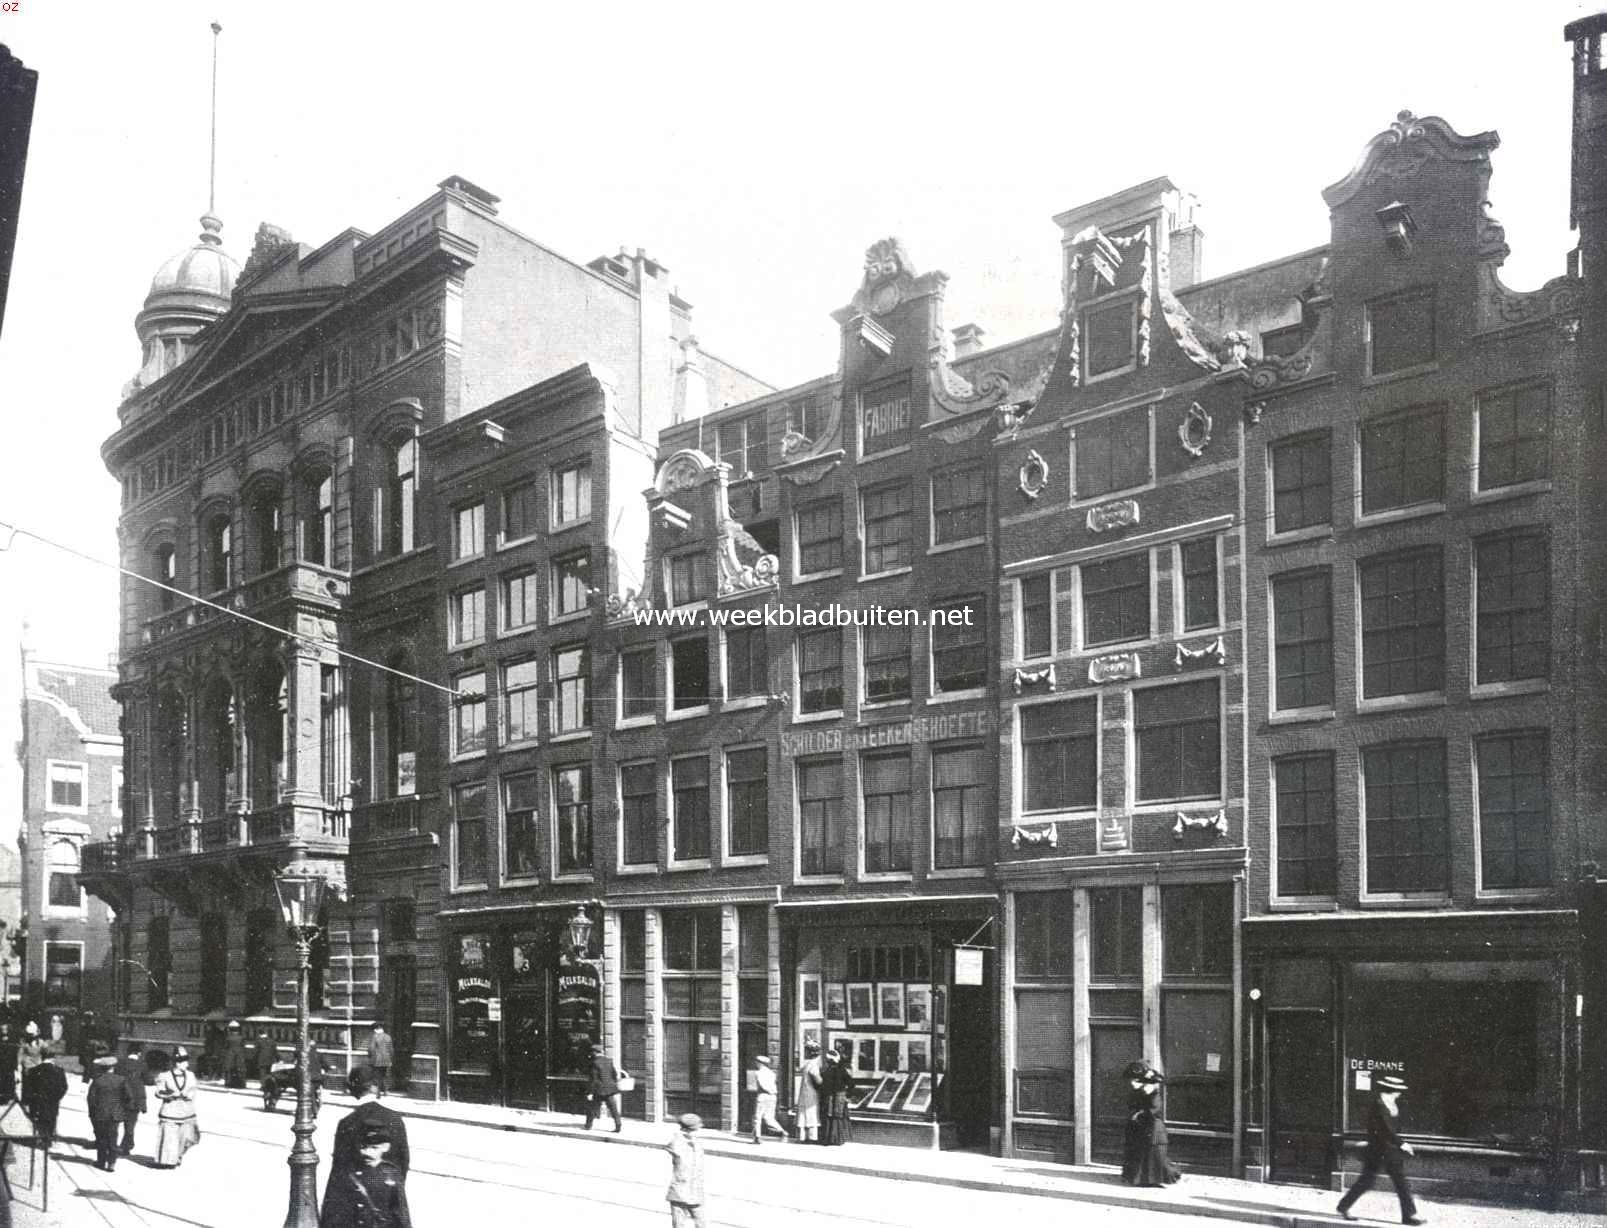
(526, 1008)
(1473, 1011)
(906, 993)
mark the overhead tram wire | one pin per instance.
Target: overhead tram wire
(288, 634)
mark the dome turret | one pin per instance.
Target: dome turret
(189, 291)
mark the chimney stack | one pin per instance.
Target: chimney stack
(968, 340)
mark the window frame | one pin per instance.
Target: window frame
(978, 604)
(865, 872)
(1364, 700)
(459, 703)
(870, 637)
(839, 818)
(1275, 644)
(529, 582)
(1411, 418)
(729, 854)
(1019, 744)
(832, 506)
(1085, 642)
(867, 572)
(52, 766)
(1079, 497)
(454, 799)
(1526, 682)
(697, 559)
(1297, 444)
(533, 827)
(799, 651)
(557, 494)
(1275, 795)
(1180, 589)
(705, 858)
(454, 616)
(469, 545)
(934, 533)
(530, 493)
(1513, 392)
(559, 681)
(1370, 329)
(1120, 300)
(673, 708)
(1135, 778)
(748, 635)
(624, 863)
(1520, 890)
(50, 870)
(558, 581)
(623, 716)
(1368, 890)
(1023, 652)
(530, 701)
(578, 872)
(985, 852)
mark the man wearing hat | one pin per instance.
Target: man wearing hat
(34, 1048)
(234, 1056)
(370, 1120)
(685, 1194)
(764, 1099)
(132, 1067)
(42, 1090)
(1384, 1150)
(109, 1102)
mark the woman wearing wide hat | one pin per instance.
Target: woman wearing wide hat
(1384, 1150)
(1144, 1160)
(176, 1126)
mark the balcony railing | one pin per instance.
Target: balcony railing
(390, 819)
(102, 857)
(293, 579)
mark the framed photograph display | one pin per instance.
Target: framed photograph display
(890, 1005)
(889, 1054)
(808, 1033)
(865, 1056)
(918, 1008)
(920, 1097)
(859, 1097)
(861, 1003)
(886, 1093)
(918, 1051)
(809, 995)
(837, 1004)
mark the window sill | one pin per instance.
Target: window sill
(959, 872)
(517, 744)
(1054, 816)
(811, 718)
(964, 544)
(573, 735)
(1389, 377)
(469, 889)
(883, 705)
(464, 560)
(1100, 650)
(575, 876)
(513, 542)
(1400, 703)
(389, 558)
(902, 450)
(818, 880)
(887, 876)
(468, 756)
(1518, 490)
(1315, 903)
(687, 714)
(1503, 690)
(682, 867)
(744, 702)
(955, 697)
(521, 880)
(734, 860)
(1161, 805)
(573, 616)
(1394, 515)
(813, 576)
(1500, 895)
(1090, 380)
(1408, 899)
(891, 573)
(634, 870)
(55, 913)
(508, 633)
(466, 645)
(1293, 537)
(566, 525)
(636, 722)
(1299, 716)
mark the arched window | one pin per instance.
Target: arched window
(397, 502)
(397, 748)
(267, 708)
(317, 509)
(61, 871)
(216, 749)
(266, 529)
(219, 552)
(167, 759)
(165, 570)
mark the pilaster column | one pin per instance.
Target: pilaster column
(1151, 943)
(653, 1009)
(730, 1065)
(1007, 1018)
(611, 1029)
(303, 753)
(1082, 1055)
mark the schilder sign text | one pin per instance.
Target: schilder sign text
(973, 724)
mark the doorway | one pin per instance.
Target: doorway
(524, 1033)
(1300, 1095)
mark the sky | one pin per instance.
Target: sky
(755, 150)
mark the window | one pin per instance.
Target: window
(820, 536)
(265, 527)
(214, 977)
(1197, 562)
(468, 531)
(571, 583)
(1178, 730)
(1110, 339)
(571, 793)
(1303, 640)
(1404, 787)
(959, 505)
(741, 444)
(885, 419)
(747, 801)
(1514, 436)
(61, 889)
(888, 542)
(1403, 460)
(1514, 811)
(959, 820)
(521, 704)
(886, 783)
(1059, 755)
(820, 670)
(1117, 925)
(1112, 453)
(158, 962)
(571, 698)
(689, 782)
(1115, 600)
(1302, 490)
(571, 493)
(166, 570)
(519, 601)
(637, 683)
(807, 416)
(747, 663)
(261, 926)
(959, 645)
(219, 552)
(398, 734)
(688, 576)
(887, 663)
(1043, 928)
(1513, 605)
(1037, 616)
(521, 512)
(820, 819)
(1400, 332)
(67, 785)
(468, 715)
(1304, 800)
(468, 828)
(1402, 623)
(689, 672)
(1197, 930)
(468, 616)
(638, 813)
(521, 818)
(1282, 342)
(317, 500)
(397, 502)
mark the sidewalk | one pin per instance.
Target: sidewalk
(1244, 1202)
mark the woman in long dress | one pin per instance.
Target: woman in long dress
(177, 1130)
(1144, 1160)
(835, 1082)
(809, 1095)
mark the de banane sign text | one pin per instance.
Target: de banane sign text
(897, 733)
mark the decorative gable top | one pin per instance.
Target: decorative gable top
(1404, 147)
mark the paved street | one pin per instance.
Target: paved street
(464, 1175)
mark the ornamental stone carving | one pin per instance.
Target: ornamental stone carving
(1114, 834)
(1123, 514)
(1114, 667)
(1214, 825)
(1035, 837)
(1194, 432)
(1214, 653)
(1033, 475)
(1043, 676)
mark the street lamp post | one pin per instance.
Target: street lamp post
(301, 895)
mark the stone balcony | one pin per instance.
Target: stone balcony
(305, 582)
(398, 818)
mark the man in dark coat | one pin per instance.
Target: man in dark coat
(234, 1056)
(132, 1067)
(603, 1088)
(1384, 1150)
(109, 1101)
(264, 1053)
(369, 1120)
(374, 1194)
(42, 1090)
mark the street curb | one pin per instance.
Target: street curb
(724, 1147)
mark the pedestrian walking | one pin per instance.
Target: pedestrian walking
(1144, 1159)
(234, 1056)
(602, 1089)
(108, 1102)
(33, 1050)
(1384, 1150)
(264, 1053)
(371, 1195)
(835, 1084)
(369, 1119)
(380, 1053)
(807, 1100)
(42, 1090)
(685, 1194)
(764, 1100)
(132, 1067)
(177, 1129)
